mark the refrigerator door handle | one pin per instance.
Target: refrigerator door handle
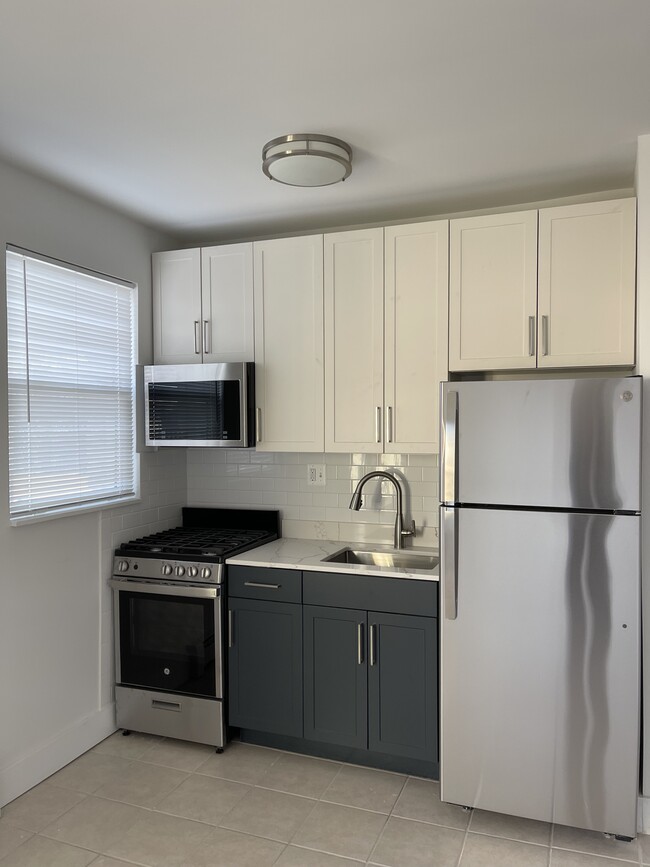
(449, 434)
(449, 563)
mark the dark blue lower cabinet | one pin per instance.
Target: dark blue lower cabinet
(402, 686)
(371, 681)
(265, 666)
(336, 682)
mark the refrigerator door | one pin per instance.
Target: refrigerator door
(540, 665)
(563, 443)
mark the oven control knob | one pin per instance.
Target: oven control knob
(206, 573)
(192, 571)
(123, 565)
(180, 570)
(167, 569)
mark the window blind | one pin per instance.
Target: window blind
(71, 385)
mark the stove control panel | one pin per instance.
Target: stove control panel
(171, 570)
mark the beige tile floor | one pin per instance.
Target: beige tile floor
(162, 803)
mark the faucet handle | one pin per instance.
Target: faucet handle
(410, 531)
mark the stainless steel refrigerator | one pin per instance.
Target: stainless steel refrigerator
(540, 609)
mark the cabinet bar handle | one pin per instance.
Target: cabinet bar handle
(545, 325)
(230, 630)
(378, 424)
(207, 345)
(360, 643)
(262, 584)
(531, 335)
(371, 642)
(389, 424)
(258, 425)
(197, 337)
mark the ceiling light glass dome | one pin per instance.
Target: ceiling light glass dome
(307, 160)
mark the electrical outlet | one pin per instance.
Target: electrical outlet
(316, 475)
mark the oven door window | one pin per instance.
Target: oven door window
(195, 410)
(168, 643)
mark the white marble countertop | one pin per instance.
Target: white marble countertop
(308, 554)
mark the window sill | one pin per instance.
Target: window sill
(71, 511)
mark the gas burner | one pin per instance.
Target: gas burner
(196, 543)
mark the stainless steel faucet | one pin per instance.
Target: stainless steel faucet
(355, 503)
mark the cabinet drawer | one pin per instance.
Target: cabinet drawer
(370, 593)
(253, 582)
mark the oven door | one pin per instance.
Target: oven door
(168, 637)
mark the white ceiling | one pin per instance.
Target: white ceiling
(161, 107)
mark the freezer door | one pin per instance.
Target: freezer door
(540, 665)
(564, 443)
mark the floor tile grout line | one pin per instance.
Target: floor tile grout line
(332, 781)
(462, 848)
(93, 852)
(611, 856)
(29, 830)
(379, 838)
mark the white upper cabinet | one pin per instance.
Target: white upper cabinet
(385, 337)
(493, 292)
(288, 278)
(227, 299)
(177, 306)
(587, 284)
(567, 301)
(354, 341)
(416, 284)
(203, 305)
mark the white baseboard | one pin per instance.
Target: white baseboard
(38, 764)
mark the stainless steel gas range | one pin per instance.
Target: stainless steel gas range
(168, 614)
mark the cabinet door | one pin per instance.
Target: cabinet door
(177, 307)
(288, 281)
(227, 303)
(265, 666)
(416, 334)
(336, 686)
(586, 284)
(403, 686)
(354, 340)
(493, 292)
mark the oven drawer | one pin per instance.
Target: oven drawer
(253, 582)
(170, 716)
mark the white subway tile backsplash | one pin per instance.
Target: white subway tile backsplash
(222, 477)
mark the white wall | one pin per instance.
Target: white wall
(55, 651)
(643, 367)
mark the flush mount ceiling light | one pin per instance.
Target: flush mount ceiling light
(307, 160)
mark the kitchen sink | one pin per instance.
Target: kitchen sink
(389, 560)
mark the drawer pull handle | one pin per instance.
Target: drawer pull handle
(158, 704)
(262, 584)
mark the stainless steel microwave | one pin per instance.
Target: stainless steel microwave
(199, 404)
